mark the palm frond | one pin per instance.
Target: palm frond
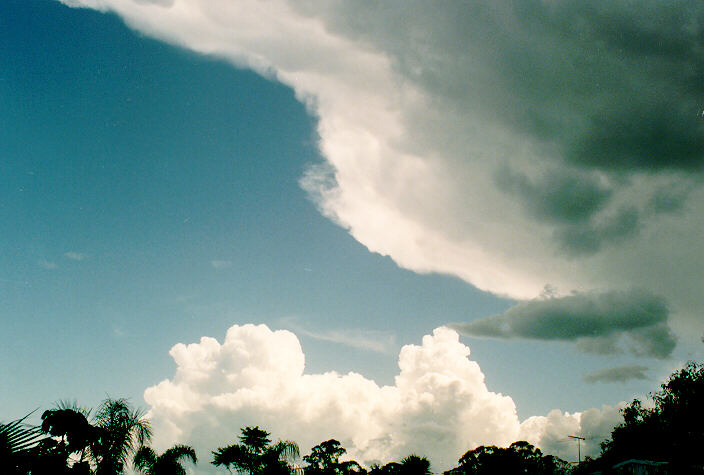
(122, 431)
(177, 452)
(16, 436)
(144, 459)
(286, 450)
(73, 405)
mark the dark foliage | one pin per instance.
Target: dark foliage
(256, 455)
(18, 446)
(672, 431)
(169, 463)
(519, 457)
(324, 459)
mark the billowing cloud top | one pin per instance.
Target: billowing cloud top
(512, 144)
(439, 405)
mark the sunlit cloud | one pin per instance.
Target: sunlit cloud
(492, 141)
(438, 406)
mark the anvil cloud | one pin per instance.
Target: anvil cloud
(512, 144)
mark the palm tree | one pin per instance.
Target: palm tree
(18, 445)
(121, 430)
(415, 465)
(72, 433)
(256, 455)
(168, 463)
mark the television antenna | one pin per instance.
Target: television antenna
(579, 446)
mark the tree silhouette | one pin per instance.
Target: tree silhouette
(671, 431)
(72, 434)
(324, 459)
(18, 446)
(415, 465)
(256, 455)
(169, 463)
(121, 429)
(519, 457)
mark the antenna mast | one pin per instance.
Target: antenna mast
(579, 447)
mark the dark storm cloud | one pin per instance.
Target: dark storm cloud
(617, 374)
(556, 196)
(603, 323)
(624, 81)
(571, 202)
(617, 86)
(643, 136)
(589, 238)
(601, 89)
(667, 200)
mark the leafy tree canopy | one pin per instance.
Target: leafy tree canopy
(255, 454)
(520, 457)
(169, 463)
(672, 430)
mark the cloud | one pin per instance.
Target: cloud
(617, 374)
(75, 256)
(439, 405)
(219, 264)
(511, 144)
(48, 265)
(551, 432)
(556, 196)
(375, 341)
(597, 322)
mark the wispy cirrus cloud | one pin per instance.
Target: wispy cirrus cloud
(220, 264)
(368, 340)
(48, 265)
(75, 256)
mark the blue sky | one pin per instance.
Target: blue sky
(152, 163)
(151, 195)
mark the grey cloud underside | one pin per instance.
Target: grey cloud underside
(617, 374)
(570, 202)
(616, 87)
(604, 323)
(557, 196)
(508, 143)
(608, 88)
(589, 238)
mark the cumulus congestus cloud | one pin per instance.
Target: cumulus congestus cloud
(604, 323)
(439, 404)
(508, 143)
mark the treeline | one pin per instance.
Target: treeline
(668, 435)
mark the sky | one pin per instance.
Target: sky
(413, 229)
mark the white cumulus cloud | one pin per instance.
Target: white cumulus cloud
(551, 433)
(439, 405)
